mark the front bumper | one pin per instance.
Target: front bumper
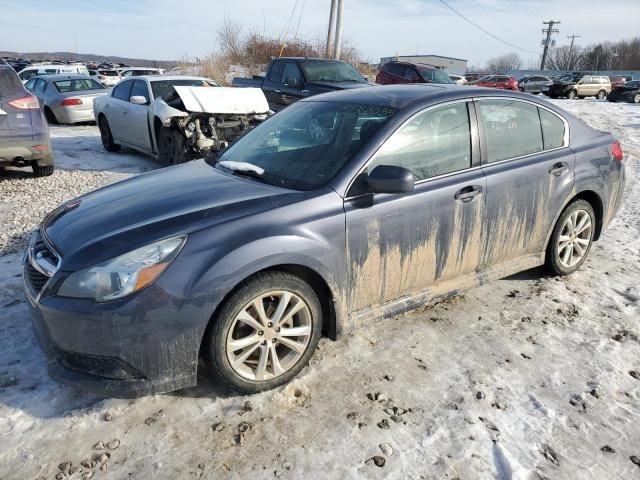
(144, 344)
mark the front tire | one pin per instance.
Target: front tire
(265, 333)
(636, 98)
(571, 239)
(172, 146)
(572, 94)
(106, 136)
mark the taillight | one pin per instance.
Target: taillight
(70, 102)
(616, 151)
(25, 103)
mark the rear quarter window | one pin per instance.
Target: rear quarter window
(553, 129)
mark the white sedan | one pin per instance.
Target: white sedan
(458, 79)
(176, 118)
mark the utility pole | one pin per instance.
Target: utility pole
(336, 48)
(572, 37)
(332, 21)
(547, 42)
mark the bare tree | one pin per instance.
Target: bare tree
(504, 63)
(565, 58)
(230, 40)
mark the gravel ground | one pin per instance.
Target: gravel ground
(82, 165)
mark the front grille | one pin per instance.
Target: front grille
(35, 278)
(106, 367)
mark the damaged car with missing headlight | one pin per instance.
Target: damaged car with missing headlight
(176, 118)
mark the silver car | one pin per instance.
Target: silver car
(66, 98)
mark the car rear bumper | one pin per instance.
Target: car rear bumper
(144, 344)
(17, 150)
(74, 115)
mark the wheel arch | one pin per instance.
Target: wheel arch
(315, 280)
(594, 199)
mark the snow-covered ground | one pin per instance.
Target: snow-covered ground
(527, 378)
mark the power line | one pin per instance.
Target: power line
(484, 30)
(300, 18)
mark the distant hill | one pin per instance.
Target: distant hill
(88, 57)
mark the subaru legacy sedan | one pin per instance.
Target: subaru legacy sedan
(343, 208)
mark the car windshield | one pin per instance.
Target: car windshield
(164, 88)
(304, 146)
(77, 85)
(330, 71)
(433, 75)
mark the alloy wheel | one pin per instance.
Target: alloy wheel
(575, 238)
(636, 99)
(269, 335)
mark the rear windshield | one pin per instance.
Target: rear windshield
(330, 71)
(164, 88)
(10, 84)
(108, 73)
(77, 84)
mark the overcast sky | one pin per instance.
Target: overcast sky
(171, 29)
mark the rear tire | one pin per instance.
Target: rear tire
(105, 135)
(571, 239)
(44, 171)
(240, 367)
(601, 95)
(50, 116)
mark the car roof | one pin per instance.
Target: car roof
(409, 95)
(64, 76)
(168, 77)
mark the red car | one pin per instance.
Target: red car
(405, 72)
(504, 82)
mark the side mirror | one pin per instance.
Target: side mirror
(138, 100)
(293, 82)
(390, 179)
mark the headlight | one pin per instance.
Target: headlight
(123, 275)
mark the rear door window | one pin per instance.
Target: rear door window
(291, 71)
(121, 91)
(512, 129)
(276, 71)
(40, 86)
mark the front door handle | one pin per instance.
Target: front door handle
(559, 168)
(277, 91)
(468, 193)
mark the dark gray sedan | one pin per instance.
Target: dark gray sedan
(341, 209)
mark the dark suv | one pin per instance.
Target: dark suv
(24, 134)
(405, 72)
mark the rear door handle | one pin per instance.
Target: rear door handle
(467, 194)
(278, 91)
(559, 168)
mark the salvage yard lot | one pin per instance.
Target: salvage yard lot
(528, 377)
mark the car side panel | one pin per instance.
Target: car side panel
(217, 259)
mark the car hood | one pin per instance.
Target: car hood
(160, 204)
(340, 85)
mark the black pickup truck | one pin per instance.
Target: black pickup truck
(290, 79)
